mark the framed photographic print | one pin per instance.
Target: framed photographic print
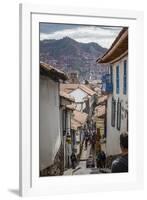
(81, 127)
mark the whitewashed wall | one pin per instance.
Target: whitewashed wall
(49, 125)
(112, 145)
(78, 94)
(69, 147)
(78, 141)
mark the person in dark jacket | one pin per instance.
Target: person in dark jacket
(103, 159)
(98, 159)
(73, 160)
(121, 163)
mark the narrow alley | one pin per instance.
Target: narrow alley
(84, 118)
(87, 155)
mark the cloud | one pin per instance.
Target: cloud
(104, 36)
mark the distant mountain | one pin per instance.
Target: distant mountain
(70, 55)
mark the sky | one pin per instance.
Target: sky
(102, 35)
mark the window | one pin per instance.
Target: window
(113, 110)
(111, 76)
(117, 79)
(111, 73)
(118, 114)
(64, 115)
(127, 119)
(125, 78)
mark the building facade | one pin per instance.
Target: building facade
(116, 86)
(50, 136)
(83, 95)
(66, 111)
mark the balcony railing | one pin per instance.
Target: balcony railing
(107, 85)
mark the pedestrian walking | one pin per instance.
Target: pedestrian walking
(73, 160)
(86, 141)
(98, 159)
(103, 159)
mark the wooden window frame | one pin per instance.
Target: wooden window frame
(117, 80)
(118, 114)
(113, 112)
(125, 77)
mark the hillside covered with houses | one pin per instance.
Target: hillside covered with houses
(69, 55)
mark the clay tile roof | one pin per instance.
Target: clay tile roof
(102, 99)
(66, 96)
(87, 90)
(70, 87)
(75, 124)
(100, 111)
(71, 107)
(81, 117)
(55, 73)
(118, 47)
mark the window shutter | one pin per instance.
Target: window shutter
(117, 79)
(125, 78)
(64, 114)
(118, 114)
(111, 73)
(113, 110)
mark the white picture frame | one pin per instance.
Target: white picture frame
(30, 183)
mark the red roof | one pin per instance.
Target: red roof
(70, 87)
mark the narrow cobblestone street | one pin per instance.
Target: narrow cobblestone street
(81, 168)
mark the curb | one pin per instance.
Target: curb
(76, 170)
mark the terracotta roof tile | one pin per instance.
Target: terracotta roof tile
(70, 87)
(66, 96)
(71, 107)
(81, 117)
(102, 99)
(75, 124)
(87, 90)
(100, 111)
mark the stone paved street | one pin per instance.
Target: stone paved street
(81, 168)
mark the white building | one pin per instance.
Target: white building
(78, 121)
(116, 85)
(50, 136)
(84, 96)
(66, 111)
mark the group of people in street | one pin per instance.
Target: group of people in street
(119, 165)
(90, 138)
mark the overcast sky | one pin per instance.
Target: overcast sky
(104, 36)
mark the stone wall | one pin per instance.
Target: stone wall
(57, 168)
